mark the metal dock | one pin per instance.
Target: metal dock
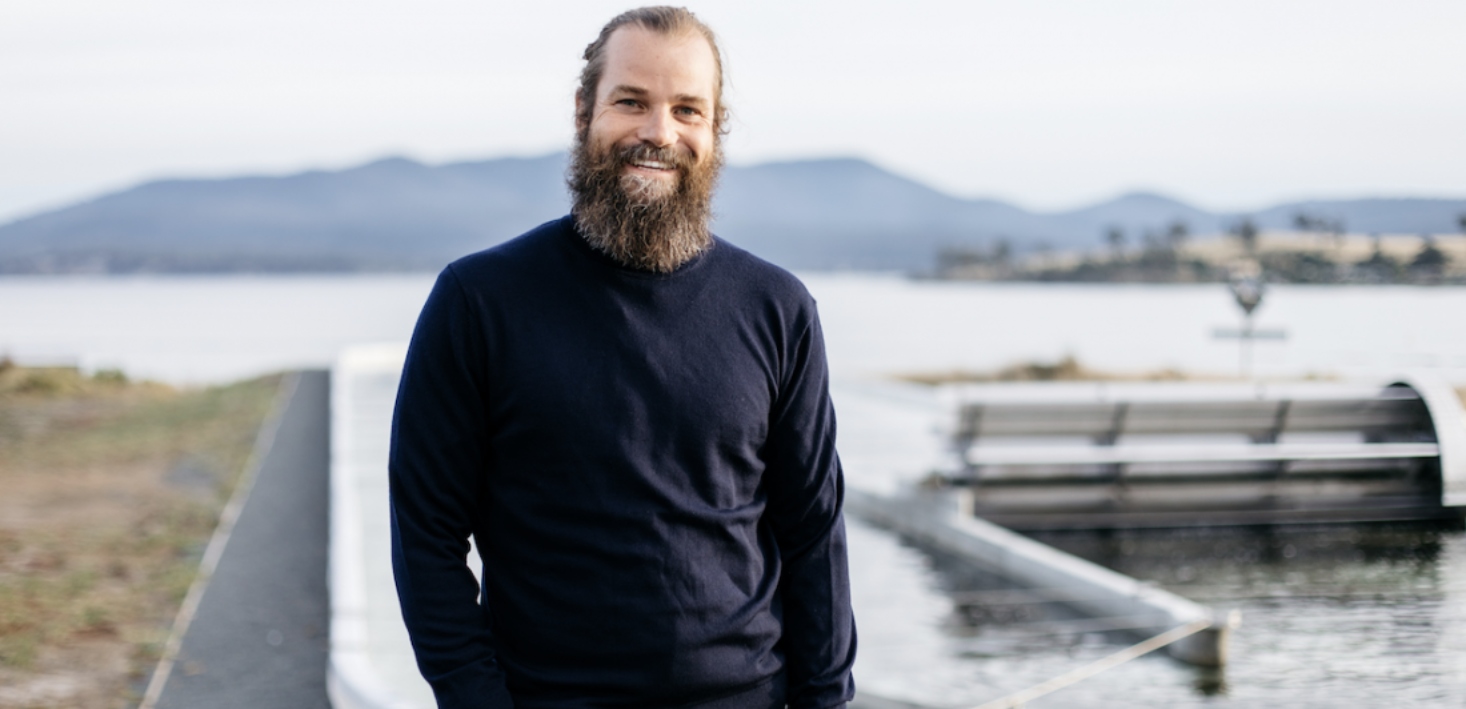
(1100, 455)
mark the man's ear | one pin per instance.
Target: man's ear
(579, 114)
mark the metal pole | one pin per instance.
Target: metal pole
(1246, 345)
(1018, 699)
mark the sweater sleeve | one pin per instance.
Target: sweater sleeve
(806, 491)
(436, 464)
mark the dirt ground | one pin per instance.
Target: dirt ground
(111, 490)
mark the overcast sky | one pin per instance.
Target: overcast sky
(1051, 104)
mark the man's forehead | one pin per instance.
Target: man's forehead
(636, 55)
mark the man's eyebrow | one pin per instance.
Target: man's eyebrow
(625, 89)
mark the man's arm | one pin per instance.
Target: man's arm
(806, 491)
(436, 465)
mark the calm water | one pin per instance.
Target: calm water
(1341, 616)
(217, 328)
(1332, 616)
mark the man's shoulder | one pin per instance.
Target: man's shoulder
(538, 242)
(761, 276)
(526, 253)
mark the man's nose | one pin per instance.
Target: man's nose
(658, 129)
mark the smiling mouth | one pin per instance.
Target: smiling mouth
(651, 165)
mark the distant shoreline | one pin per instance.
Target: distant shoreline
(1279, 256)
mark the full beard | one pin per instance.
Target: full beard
(640, 222)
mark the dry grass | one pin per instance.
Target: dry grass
(112, 488)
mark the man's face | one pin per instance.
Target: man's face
(647, 158)
(657, 93)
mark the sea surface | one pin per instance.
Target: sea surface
(1332, 616)
(197, 329)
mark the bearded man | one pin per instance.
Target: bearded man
(631, 418)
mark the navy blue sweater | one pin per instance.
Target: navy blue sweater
(647, 465)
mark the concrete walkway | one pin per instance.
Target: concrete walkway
(260, 637)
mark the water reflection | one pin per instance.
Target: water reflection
(1375, 614)
(1233, 563)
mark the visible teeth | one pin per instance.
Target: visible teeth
(653, 164)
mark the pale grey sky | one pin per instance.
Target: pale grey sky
(1050, 104)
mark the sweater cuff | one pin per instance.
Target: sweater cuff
(477, 686)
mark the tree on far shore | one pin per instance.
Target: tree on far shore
(1246, 232)
(1305, 222)
(1430, 263)
(1177, 233)
(1379, 267)
(1115, 239)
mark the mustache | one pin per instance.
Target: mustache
(641, 152)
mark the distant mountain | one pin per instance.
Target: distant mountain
(1384, 216)
(846, 213)
(1137, 213)
(389, 214)
(397, 214)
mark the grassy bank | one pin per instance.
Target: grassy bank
(112, 489)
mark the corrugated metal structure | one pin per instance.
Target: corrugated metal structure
(1106, 455)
